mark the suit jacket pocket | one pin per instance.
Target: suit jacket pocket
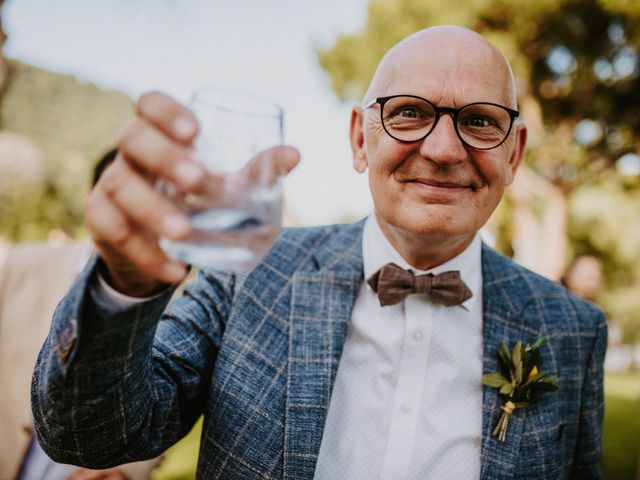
(540, 450)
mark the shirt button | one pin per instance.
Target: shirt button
(406, 408)
(418, 336)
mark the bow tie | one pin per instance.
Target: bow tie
(393, 284)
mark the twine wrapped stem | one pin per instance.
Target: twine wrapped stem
(501, 428)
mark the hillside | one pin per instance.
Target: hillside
(52, 130)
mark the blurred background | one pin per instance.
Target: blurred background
(71, 70)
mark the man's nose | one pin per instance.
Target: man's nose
(442, 145)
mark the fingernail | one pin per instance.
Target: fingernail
(188, 171)
(175, 225)
(184, 127)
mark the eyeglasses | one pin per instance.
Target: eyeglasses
(479, 125)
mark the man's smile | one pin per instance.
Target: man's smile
(443, 186)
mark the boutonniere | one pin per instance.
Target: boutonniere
(519, 380)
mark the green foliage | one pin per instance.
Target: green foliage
(181, 460)
(70, 124)
(29, 212)
(520, 374)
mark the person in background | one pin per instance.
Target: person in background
(351, 351)
(584, 277)
(33, 279)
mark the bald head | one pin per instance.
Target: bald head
(450, 61)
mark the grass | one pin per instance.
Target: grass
(181, 460)
(621, 458)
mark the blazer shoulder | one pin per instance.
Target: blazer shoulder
(320, 247)
(531, 288)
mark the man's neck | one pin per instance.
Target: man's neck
(424, 251)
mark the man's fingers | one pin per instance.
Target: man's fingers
(139, 265)
(169, 116)
(142, 204)
(132, 255)
(104, 220)
(157, 155)
(141, 197)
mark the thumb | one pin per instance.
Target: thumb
(285, 158)
(266, 166)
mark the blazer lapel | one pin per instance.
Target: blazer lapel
(322, 301)
(501, 323)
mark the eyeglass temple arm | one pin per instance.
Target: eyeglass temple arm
(371, 103)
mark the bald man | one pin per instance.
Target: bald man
(351, 351)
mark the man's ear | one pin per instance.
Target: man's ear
(518, 150)
(357, 140)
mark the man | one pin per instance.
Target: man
(584, 277)
(301, 370)
(33, 279)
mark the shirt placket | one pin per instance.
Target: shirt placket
(405, 411)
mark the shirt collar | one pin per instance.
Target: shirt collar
(378, 251)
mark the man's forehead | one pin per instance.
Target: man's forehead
(451, 64)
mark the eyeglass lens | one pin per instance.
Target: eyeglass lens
(480, 125)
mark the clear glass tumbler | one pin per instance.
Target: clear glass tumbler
(235, 223)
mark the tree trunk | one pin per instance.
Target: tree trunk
(540, 224)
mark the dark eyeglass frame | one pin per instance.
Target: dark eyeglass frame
(513, 114)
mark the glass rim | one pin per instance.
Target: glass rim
(249, 104)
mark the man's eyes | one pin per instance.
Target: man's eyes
(478, 121)
(410, 112)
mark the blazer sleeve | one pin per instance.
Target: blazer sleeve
(113, 387)
(589, 447)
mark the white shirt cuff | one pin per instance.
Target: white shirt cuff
(111, 298)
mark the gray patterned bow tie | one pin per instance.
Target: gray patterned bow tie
(393, 283)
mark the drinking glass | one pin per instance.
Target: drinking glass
(235, 223)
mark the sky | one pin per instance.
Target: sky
(264, 47)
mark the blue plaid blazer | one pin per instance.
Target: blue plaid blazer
(258, 356)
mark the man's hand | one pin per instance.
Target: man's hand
(86, 474)
(126, 215)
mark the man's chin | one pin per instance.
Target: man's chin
(437, 230)
(434, 224)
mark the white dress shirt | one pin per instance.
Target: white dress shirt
(407, 401)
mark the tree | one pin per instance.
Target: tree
(577, 67)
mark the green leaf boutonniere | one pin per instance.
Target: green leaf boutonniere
(519, 378)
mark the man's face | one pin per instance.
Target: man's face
(437, 186)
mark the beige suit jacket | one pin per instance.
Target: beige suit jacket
(33, 278)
